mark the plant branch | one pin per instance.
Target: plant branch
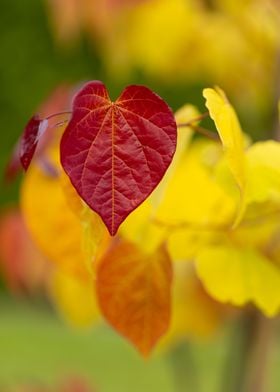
(205, 132)
(194, 120)
(58, 114)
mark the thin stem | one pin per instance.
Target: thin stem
(194, 120)
(205, 132)
(59, 124)
(57, 114)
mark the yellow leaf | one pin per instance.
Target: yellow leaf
(52, 217)
(183, 244)
(140, 229)
(187, 211)
(186, 201)
(194, 313)
(186, 114)
(139, 226)
(95, 237)
(227, 124)
(261, 196)
(259, 228)
(263, 163)
(160, 31)
(183, 115)
(183, 211)
(54, 227)
(240, 276)
(134, 293)
(74, 298)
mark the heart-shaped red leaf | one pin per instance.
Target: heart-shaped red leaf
(116, 153)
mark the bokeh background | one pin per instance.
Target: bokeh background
(176, 47)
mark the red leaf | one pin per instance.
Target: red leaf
(134, 293)
(29, 141)
(116, 153)
(58, 102)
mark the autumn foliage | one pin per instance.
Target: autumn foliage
(145, 235)
(115, 153)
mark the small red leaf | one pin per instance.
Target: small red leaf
(29, 141)
(35, 141)
(134, 293)
(116, 153)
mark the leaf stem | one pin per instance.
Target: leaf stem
(59, 124)
(194, 120)
(205, 132)
(58, 114)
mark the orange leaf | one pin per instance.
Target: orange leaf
(134, 293)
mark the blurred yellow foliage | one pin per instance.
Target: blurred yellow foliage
(191, 214)
(240, 276)
(74, 298)
(195, 314)
(197, 210)
(232, 43)
(60, 224)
